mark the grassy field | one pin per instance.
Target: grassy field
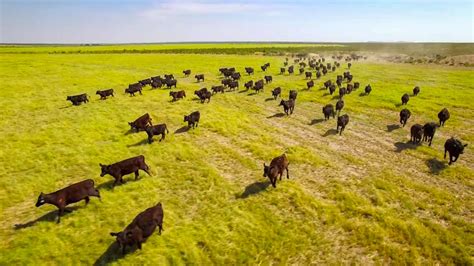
(364, 197)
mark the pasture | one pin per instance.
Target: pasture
(367, 196)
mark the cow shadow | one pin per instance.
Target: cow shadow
(335, 97)
(112, 254)
(129, 132)
(330, 132)
(392, 127)
(140, 143)
(252, 94)
(398, 104)
(51, 216)
(244, 91)
(253, 189)
(401, 146)
(65, 107)
(362, 94)
(277, 115)
(182, 129)
(322, 89)
(436, 166)
(269, 99)
(326, 94)
(316, 121)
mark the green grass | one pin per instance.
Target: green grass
(350, 199)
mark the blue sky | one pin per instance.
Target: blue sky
(127, 21)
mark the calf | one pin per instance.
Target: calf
(308, 74)
(339, 105)
(443, 116)
(342, 122)
(216, 89)
(141, 123)
(356, 85)
(187, 72)
(249, 70)
(404, 115)
(268, 79)
(416, 90)
(368, 89)
(405, 98)
(264, 68)
(276, 92)
(291, 70)
(157, 84)
(105, 93)
(349, 88)
(429, 129)
(78, 99)
(328, 110)
(125, 167)
(416, 133)
(288, 106)
(177, 95)
(282, 70)
(276, 168)
(206, 95)
(199, 77)
(193, 119)
(327, 84)
(70, 194)
(455, 148)
(248, 84)
(141, 228)
(342, 92)
(235, 76)
(292, 95)
(310, 84)
(160, 129)
(332, 89)
(170, 76)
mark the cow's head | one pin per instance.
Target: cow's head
(132, 125)
(266, 170)
(127, 90)
(282, 102)
(97, 92)
(104, 169)
(121, 237)
(41, 200)
(186, 118)
(462, 148)
(69, 98)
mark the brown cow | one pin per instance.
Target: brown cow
(276, 167)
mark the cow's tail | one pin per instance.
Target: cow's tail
(167, 131)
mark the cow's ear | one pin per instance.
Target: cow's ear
(465, 145)
(101, 165)
(114, 234)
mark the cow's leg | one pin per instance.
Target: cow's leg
(136, 175)
(287, 173)
(123, 249)
(431, 139)
(60, 213)
(445, 154)
(121, 179)
(146, 168)
(86, 199)
(162, 136)
(140, 91)
(455, 158)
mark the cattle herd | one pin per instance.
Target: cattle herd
(146, 222)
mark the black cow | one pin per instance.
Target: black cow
(404, 115)
(235, 76)
(141, 228)
(105, 93)
(339, 105)
(216, 89)
(416, 90)
(187, 72)
(70, 194)
(133, 88)
(342, 122)
(318, 74)
(268, 79)
(302, 71)
(233, 85)
(170, 76)
(155, 84)
(193, 119)
(342, 92)
(368, 89)
(455, 148)
(349, 88)
(205, 95)
(356, 85)
(125, 167)
(145, 82)
(327, 84)
(328, 110)
(199, 77)
(226, 82)
(293, 94)
(249, 70)
(405, 98)
(291, 70)
(248, 84)
(141, 123)
(282, 70)
(310, 84)
(332, 89)
(443, 116)
(264, 68)
(276, 167)
(429, 130)
(416, 133)
(288, 106)
(78, 99)
(276, 92)
(160, 129)
(258, 85)
(177, 95)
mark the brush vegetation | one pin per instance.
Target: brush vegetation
(364, 197)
